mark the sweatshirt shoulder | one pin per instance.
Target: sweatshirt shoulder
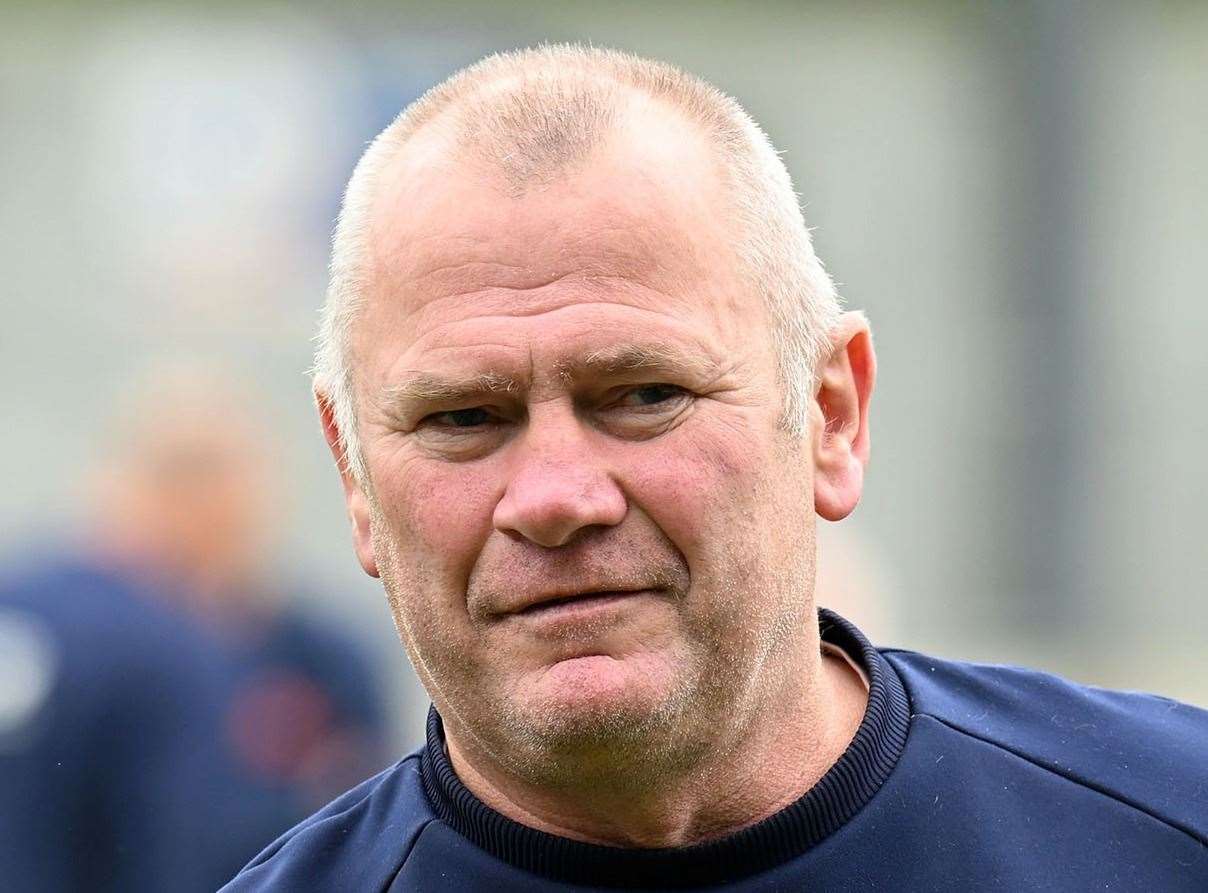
(356, 842)
(1143, 750)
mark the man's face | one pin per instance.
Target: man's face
(590, 526)
(192, 491)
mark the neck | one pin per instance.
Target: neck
(752, 770)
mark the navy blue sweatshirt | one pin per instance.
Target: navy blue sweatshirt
(960, 777)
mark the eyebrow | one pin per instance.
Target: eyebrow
(427, 388)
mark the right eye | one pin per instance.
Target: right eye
(461, 434)
(472, 417)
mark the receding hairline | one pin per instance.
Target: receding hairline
(615, 77)
(447, 142)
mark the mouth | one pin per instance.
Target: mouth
(580, 600)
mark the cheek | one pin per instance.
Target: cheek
(439, 515)
(705, 488)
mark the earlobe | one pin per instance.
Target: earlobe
(362, 531)
(840, 436)
(355, 498)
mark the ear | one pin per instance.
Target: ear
(840, 435)
(355, 497)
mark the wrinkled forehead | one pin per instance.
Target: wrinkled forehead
(647, 206)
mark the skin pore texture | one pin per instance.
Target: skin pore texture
(571, 390)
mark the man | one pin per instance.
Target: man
(161, 720)
(189, 492)
(587, 386)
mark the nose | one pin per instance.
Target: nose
(559, 486)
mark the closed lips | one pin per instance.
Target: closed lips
(556, 599)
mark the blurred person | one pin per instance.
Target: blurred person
(587, 386)
(197, 480)
(164, 712)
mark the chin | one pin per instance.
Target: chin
(599, 708)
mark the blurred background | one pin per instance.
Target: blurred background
(1015, 192)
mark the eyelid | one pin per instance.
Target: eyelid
(433, 417)
(617, 410)
(676, 390)
(613, 397)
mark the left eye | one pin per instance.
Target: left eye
(650, 395)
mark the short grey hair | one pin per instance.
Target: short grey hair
(531, 114)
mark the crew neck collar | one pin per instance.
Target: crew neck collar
(845, 788)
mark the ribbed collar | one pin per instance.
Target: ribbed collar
(839, 794)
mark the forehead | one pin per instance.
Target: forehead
(642, 222)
